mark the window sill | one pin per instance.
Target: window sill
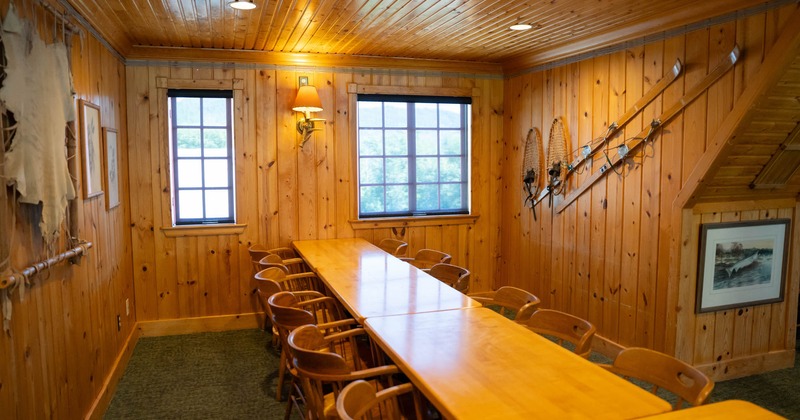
(203, 230)
(389, 222)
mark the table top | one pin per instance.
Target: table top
(369, 282)
(474, 363)
(730, 409)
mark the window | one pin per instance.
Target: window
(413, 155)
(202, 156)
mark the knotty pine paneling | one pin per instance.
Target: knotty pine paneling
(63, 339)
(610, 256)
(285, 192)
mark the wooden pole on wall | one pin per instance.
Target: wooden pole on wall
(5, 222)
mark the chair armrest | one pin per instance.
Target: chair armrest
(337, 324)
(373, 372)
(485, 295)
(308, 293)
(323, 299)
(344, 334)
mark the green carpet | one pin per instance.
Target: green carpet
(226, 375)
(233, 374)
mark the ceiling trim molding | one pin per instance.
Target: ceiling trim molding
(144, 55)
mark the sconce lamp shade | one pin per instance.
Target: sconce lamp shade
(307, 100)
(242, 4)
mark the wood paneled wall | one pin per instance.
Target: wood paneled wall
(283, 192)
(609, 257)
(63, 338)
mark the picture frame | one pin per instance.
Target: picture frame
(91, 158)
(111, 159)
(742, 264)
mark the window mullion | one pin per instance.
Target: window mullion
(412, 161)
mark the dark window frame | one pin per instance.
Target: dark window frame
(172, 94)
(465, 131)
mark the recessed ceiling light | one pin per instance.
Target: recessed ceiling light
(242, 4)
(520, 27)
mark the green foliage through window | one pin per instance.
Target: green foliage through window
(413, 155)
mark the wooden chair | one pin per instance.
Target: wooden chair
(330, 362)
(292, 282)
(394, 247)
(291, 265)
(427, 258)
(509, 299)
(359, 399)
(452, 275)
(564, 327)
(664, 372)
(289, 312)
(257, 252)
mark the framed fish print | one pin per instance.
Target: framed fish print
(91, 157)
(741, 264)
(112, 167)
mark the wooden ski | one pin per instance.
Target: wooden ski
(657, 123)
(626, 117)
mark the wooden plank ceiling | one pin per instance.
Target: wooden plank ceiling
(461, 30)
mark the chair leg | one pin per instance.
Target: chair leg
(281, 374)
(295, 398)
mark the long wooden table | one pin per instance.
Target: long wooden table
(476, 364)
(369, 282)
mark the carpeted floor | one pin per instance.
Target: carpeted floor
(233, 374)
(226, 375)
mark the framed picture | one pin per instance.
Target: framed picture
(90, 149)
(741, 264)
(112, 167)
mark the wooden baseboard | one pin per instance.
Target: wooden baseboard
(749, 365)
(197, 325)
(100, 404)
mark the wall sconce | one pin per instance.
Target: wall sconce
(307, 101)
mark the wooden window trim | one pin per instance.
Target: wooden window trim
(203, 230)
(416, 221)
(163, 84)
(353, 89)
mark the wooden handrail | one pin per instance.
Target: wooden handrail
(10, 280)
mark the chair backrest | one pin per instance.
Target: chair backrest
(309, 348)
(257, 252)
(393, 246)
(452, 275)
(273, 260)
(564, 327)
(432, 256)
(510, 298)
(286, 315)
(359, 399)
(267, 284)
(666, 372)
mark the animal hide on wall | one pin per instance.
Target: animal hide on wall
(38, 90)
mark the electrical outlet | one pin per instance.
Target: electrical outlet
(127, 307)
(119, 323)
